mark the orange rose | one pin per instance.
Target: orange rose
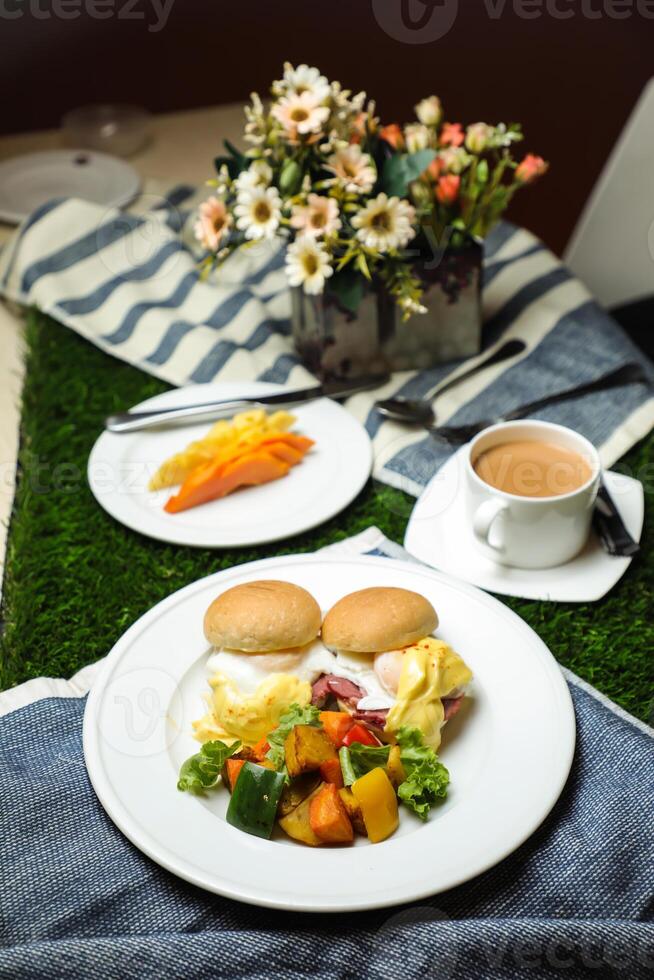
(447, 188)
(393, 135)
(530, 169)
(433, 171)
(451, 135)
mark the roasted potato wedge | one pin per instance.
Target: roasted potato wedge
(297, 825)
(297, 791)
(353, 810)
(394, 768)
(306, 748)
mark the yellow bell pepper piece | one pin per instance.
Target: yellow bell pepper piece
(375, 795)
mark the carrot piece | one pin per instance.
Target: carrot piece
(336, 724)
(260, 749)
(217, 479)
(328, 817)
(330, 770)
(234, 767)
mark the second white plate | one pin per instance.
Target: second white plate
(27, 182)
(327, 480)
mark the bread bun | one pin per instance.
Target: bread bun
(260, 617)
(378, 619)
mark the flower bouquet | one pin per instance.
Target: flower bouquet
(382, 224)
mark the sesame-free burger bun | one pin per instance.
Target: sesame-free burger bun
(260, 617)
(378, 619)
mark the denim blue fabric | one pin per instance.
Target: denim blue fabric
(78, 900)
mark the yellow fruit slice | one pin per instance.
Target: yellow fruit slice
(243, 428)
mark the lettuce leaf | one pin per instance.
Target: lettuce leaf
(358, 759)
(202, 770)
(427, 779)
(295, 715)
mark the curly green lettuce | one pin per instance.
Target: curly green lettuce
(202, 770)
(427, 779)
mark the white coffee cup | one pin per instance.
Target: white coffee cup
(524, 531)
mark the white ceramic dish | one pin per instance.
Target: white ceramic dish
(29, 181)
(439, 534)
(509, 749)
(327, 480)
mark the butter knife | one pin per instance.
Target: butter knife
(134, 421)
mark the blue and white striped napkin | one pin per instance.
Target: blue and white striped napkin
(128, 282)
(80, 901)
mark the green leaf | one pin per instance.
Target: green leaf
(348, 286)
(363, 758)
(482, 172)
(427, 779)
(290, 178)
(202, 770)
(402, 168)
(240, 158)
(295, 715)
(233, 166)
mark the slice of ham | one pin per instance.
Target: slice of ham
(451, 706)
(349, 694)
(374, 718)
(346, 691)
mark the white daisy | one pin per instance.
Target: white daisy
(385, 223)
(306, 79)
(258, 174)
(307, 265)
(319, 217)
(300, 115)
(258, 212)
(354, 169)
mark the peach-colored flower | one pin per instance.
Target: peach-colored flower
(451, 135)
(393, 134)
(213, 222)
(300, 115)
(319, 217)
(447, 188)
(353, 169)
(530, 169)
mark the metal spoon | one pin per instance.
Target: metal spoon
(630, 373)
(420, 411)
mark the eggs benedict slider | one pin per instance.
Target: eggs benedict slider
(389, 669)
(266, 656)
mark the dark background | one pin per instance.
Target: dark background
(570, 82)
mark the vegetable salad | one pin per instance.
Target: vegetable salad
(322, 776)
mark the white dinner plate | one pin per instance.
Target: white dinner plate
(29, 181)
(329, 477)
(439, 534)
(509, 749)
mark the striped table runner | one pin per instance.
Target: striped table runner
(128, 282)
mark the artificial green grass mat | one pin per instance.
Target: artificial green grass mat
(75, 579)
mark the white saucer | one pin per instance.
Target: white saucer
(29, 181)
(439, 535)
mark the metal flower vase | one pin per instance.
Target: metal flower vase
(336, 343)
